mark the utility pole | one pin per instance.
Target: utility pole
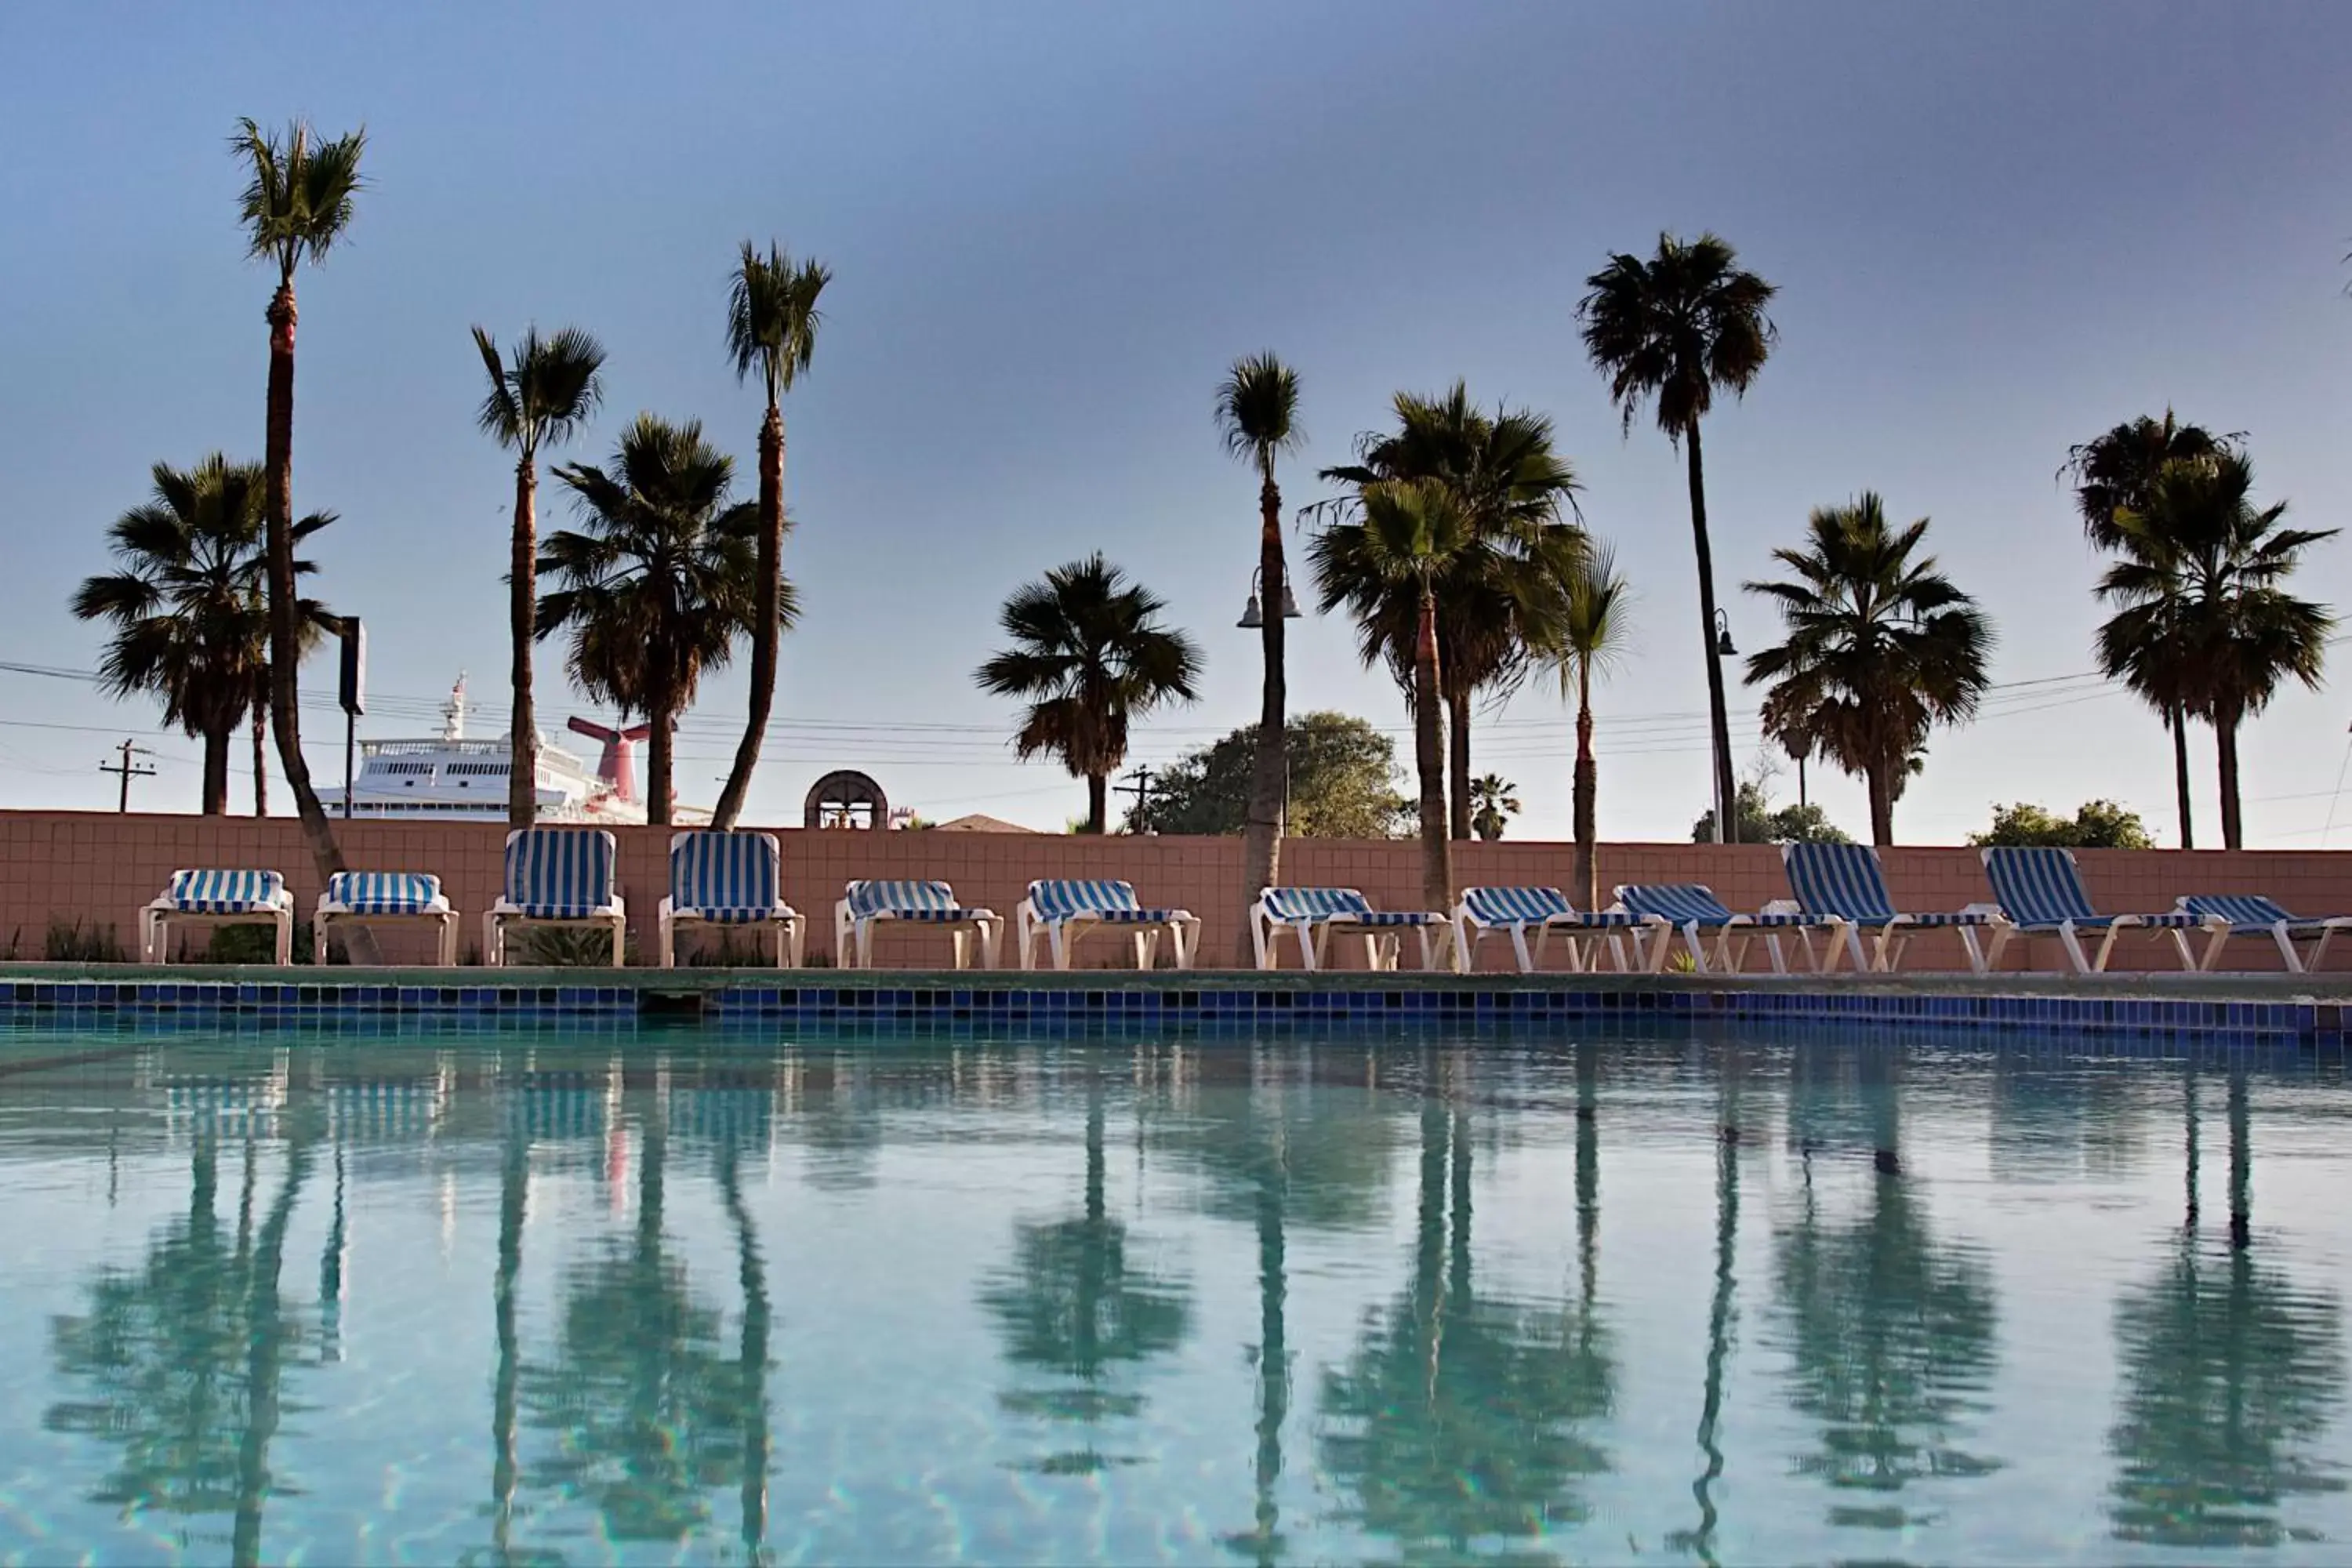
(1140, 789)
(127, 770)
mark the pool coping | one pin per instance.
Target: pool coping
(2311, 1009)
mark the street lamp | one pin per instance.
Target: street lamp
(1254, 615)
(1723, 648)
(1727, 831)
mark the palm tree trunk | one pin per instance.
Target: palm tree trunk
(1457, 764)
(261, 746)
(285, 632)
(522, 623)
(1429, 756)
(1727, 800)
(1882, 806)
(659, 794)
(2178, 722)
(215, 798)
(764, 632)
(2225, 745)
(1098, 803)
(1262, 830)
(1586, 796)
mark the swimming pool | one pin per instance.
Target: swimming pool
(660, 1295)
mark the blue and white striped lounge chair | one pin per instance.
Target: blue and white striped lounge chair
(559, 877)
(1313, 914)
(1845, 886)
(2226, 915)
(216, 899)
(866, 904)
(1543, 911)
(366, 897)
(2040, 891)
(1686, 908)
(1061, 911)
(728, 880)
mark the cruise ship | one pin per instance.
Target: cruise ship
(450, 776)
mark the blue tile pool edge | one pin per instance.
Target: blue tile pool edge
(1223, 1007)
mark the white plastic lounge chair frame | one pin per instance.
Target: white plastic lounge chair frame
(1313, 915)
(382, 897)
(867, 903)
(1060, 913)
(558, 878)
(727, 880)
(1688, 909)
(212, 900)
(1543, 911)
(2040, 891)
(2225, 915)
(1843, 886)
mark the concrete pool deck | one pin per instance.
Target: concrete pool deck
(2312, 1009)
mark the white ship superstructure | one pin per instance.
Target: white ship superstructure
(450, 776)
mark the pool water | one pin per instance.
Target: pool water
(663, 1296)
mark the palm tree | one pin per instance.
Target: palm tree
(772, 322)
(295, 207)
(1090, 654)
(1493, 801)
(1591, 636)
(1406, 535)
(1678, 328)
(2204, 570)
(660, 585)
(188, 601)
(1501, 597)
(540, 396)
(1257, 412)
(2114, 474)
(1881, 647)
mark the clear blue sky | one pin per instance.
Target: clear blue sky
(1997, 229)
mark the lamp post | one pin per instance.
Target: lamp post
(1254, 617)
(1727, 831)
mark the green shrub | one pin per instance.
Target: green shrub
(567, 947)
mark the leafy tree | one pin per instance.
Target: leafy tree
(2095, 825)
(189, 603)
(1881, 645)
(1761, 822)
(1495, 800)
(2114, 474)
(1342, 784)
(1090, 654)
(1588, 638)
(659, 585)
(1404, 538)
(2205, 571)
(1500, 598)
(771, 322)
(1677, 328)
(540, 396)
(296, 206)
(1258, 413)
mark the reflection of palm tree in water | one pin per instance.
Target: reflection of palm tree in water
(2230, 1373)
(186, 1358)
(640, 1399)
(1722, 1315)
(1890, 1333)
(1071, 1305)
(752, 1358)
(1456, 1420)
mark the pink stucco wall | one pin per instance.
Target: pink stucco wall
(100, 868)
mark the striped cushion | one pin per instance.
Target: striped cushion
(2247, 909)
(1059, 899)
(1683, 904)
(934, 901)
(226, 892)
(1840, 879)
(560, 873)
(1514, 906)
(726, 877)
(1315, 903)
(383, 892)
(2040, 888)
